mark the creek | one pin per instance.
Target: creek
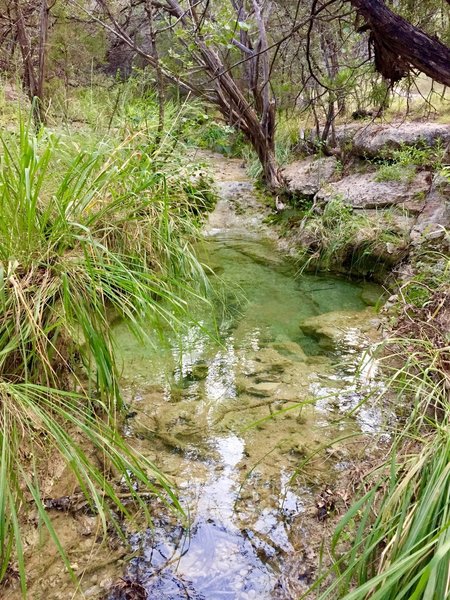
(229, 418)
(238, 410)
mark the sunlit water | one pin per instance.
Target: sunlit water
(201, 409)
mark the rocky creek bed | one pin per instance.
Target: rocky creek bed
(230, 417)
(386, 217)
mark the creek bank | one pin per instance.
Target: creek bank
(374, 204)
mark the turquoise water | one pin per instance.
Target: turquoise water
(194, 403)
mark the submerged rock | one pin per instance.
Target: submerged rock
(264, 389)
(363, 191)
(337, 326)
(199, 371)
(306, 177)
(371, 294)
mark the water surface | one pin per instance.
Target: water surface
(201, 410)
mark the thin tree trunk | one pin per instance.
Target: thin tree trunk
(29, 80)
(159, 74)
(33, 81)
(40, 81)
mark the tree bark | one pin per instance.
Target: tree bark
(40, 79)
(158, 71)
(33, 79)
(399, 45)
(29, 81)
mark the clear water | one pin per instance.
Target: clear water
(194, 409)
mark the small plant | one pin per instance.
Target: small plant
(341, 237)
(420, 156)
(218, 137)
(393, 172)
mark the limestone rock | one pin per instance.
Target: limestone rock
(306, 177)
(263, 389)
(371, 139)
(434, 219)
(338, 326)
(371, 294)
(363, 191)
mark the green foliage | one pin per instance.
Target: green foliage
(379, 93)
(84, 236)
(401, 164)
(420, 156)
(393, 172)
(339, 237)
(218, 137)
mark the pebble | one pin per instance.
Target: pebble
(92, 591)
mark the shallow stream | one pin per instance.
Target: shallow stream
(229, 418)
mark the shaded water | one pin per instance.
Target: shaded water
(194, 408)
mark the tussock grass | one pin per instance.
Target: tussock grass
(84, 236)
(339, 236)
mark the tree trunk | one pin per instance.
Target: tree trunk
(33, 80)
(399, 45)
(29, 82)
(158, 71)
(40, 80)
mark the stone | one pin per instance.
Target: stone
(198, 371)
(291, 350)
(306, 177)
(337, 326)
(434, 220)
(372, 294)
(374, 139)
(363, 191)
(262, 390)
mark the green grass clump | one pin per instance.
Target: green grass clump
(340, 237)
(393, 172)
(402, 163)
(84, 237)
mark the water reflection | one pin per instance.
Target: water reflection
(235, 478)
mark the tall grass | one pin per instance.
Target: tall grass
(84, 237)
(394, 541)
